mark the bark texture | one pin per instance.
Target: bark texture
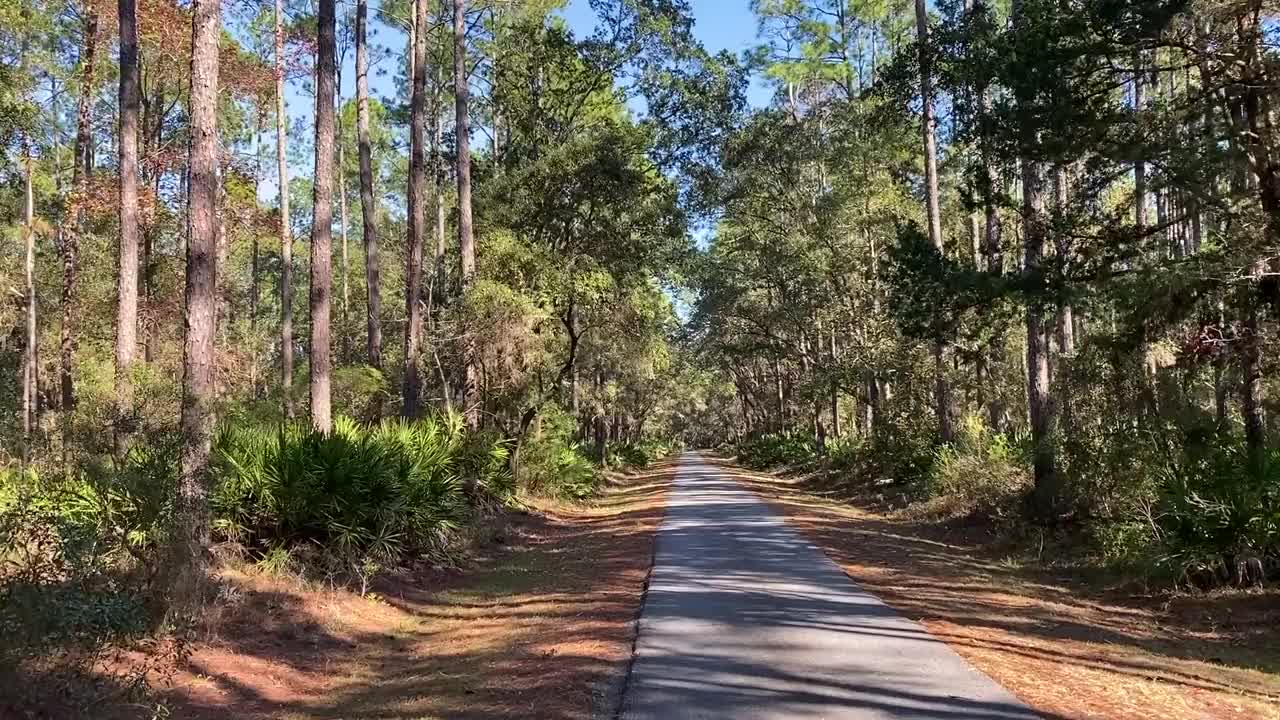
(191, 537)
(933, 215)
(368, 208)
(127, 258)
(30, 355)
(322, 218)
(466, 237)
(286, 234)
(417, 198)
(82, 166)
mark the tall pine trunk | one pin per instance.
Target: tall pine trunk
(435, 282)
(255, 253)
(1046, 493)
(322, 218)
(344, 340)
(368, 210)
(992, 359)
(1139, 166)
(286, 232)
(82, 166)
(933, 214)
(437, 169)
(466, 238)
(127, 258)
(1039, 402)
(1066, 333)
(191, 535)
(417, 217)
(30, 355)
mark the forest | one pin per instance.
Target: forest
(329, 285)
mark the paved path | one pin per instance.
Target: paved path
(746, 620)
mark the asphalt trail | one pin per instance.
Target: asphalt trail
(745, 619)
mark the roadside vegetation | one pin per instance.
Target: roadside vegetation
(266, 321)
(1011, 265)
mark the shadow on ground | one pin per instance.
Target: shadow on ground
(1058, 643)
(746, 620)
(540, 628)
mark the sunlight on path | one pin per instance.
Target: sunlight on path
(746, 620)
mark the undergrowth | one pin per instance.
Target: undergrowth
(1169, 506)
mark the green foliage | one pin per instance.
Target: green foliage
(1220, 510)
(777, 449)
(843, 452)
(639, 453)
(359, 492)
(58, 584)
(552, 464)
(900, 450)
(981, 473)
(77, 560)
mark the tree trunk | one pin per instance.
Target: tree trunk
(191, 536)
(222, 311)
(437, 144)
(368, 208)
(466, 239)
(435, 283)
(1221, 360)
(417, 217)
(127, 279)
(255, 261)
(780, 395)
(1046, 495)
(1251, 370)
(835, 389)
(933, 215)
(30, 352)
(993, 256)
(81, 168)
(322, 218)
(1066, 315)
(286, 232)
(1139, 166)
(344, 341)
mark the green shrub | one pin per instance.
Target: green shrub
(777, 449)
(639, 453)
(1219, 514)
(552, 464)
(358, 492)
(900, 450)
(844, 453)
(980, 472)
(77, 558)
(485, 456)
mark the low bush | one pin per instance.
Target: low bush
(552, 464)
(900, 451)
(639, 453)
(359, 493)
(844, 453)
(1218, 516)
(79, 557)
(981, 472)
(789, 447)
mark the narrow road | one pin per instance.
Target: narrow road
(746, 620)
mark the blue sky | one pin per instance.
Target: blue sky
(718, 25)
